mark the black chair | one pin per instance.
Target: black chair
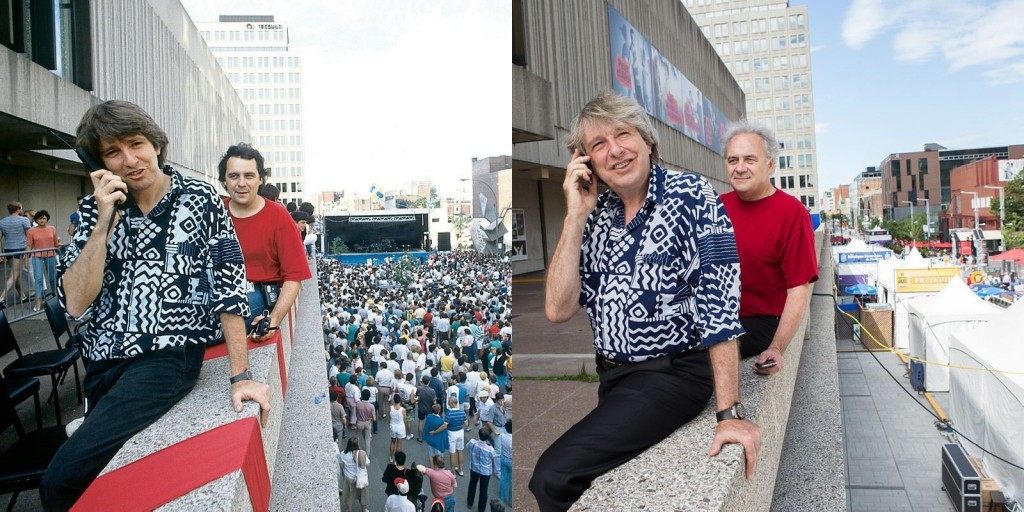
(58, 320)
(54, 363)
(23, 463)
(19, 390)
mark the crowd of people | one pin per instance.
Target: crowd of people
(421, 349)
(30, 245)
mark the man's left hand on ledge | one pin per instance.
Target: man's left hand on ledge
(255, 391)
(746, 433)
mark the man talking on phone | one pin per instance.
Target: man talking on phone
(275, 262)
(775, 243)
(156, 265)
(653, 261)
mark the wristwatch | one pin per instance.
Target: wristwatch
(735, 412)
(246, 376)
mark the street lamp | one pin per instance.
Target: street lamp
(927, 216)
(1002, 213)
(911, 203)
(975, 194)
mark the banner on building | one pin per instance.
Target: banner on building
(640, 71)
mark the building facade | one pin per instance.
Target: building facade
(766, 45)
(57, 62)
(869, 201)
(254, 53)
(563, 54)
(923, 179)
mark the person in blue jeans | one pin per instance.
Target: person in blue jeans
(505, 478)
(44, 263)
(483, 463)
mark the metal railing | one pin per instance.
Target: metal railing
(20, 299)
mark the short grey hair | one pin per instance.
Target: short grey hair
(610, 107)
(771, 144)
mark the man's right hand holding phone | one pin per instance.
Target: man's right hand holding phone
(768, 362)
(580, 186)
(109, 190)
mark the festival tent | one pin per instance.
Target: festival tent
(986, 395)
(934, 318)
(855, 262)
(889, 292)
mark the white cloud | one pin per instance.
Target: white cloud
(962, 33)
(821, 128)
(865, 19)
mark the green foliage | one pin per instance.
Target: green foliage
(1013, 231)
(338, 246)
(908, 228)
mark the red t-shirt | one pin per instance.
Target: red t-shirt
(270, 245)
(776, 247)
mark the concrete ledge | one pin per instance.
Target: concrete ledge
(677, 473)
(206, 409)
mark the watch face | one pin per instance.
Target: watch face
(741, 412)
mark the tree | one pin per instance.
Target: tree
(1013, 197)
(338, 246)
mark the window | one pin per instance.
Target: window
(786, 162)
(779, 43)
(778, 23)
(801, 100)
(722, 30)
(785, 143)
(908, 167)
(798, 41)
(739, 28)
(762, 84)
(781, 83)
(781, 62)
(800, 81)
(741, 47)
(803, 120)
(782, 102)
(895, 167)
(800, 61)
(759, 45)
(803, 178)
(758, 26)
(723, 48)
(784, 122)
(922, 165)
(796, 21)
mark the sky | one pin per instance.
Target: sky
(890, 76)
(396, 91)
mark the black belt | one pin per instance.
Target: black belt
(608, 364)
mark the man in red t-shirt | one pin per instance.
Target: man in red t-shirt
(775, 242)
(271, 247)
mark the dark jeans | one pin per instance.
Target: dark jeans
(638, 405)
(484, 480)
(760, 331)
(123, 397)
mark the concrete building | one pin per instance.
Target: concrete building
(57, 62)
(869, 202)
(766, 45)
(492, 206)
(254, 52)
(563, 54)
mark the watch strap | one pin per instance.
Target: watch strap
(732, 413)
(245, 375)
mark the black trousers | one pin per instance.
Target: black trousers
(638, 406)
(760, 331)
(124, 396)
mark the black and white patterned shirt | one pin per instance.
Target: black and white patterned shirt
(669, 281)
(167, 277)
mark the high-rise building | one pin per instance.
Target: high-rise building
(254, 53)
(766, 45)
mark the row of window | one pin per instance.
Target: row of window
(229, 63)
(787, 122)
(278, 125)
(276, 109)
(277, 140)
(804, 161)
(790, 182)
(779, 103)
(263, 78)
(270, 93)
(761, 45)
(761, 64)
(245, 35)
(756, 26)
(284, 187)
(776, 83)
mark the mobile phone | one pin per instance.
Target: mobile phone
(767, 364)
(585, 183)
(87, 160)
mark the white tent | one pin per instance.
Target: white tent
(932, 319)
(901, 301)
(987, 401)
